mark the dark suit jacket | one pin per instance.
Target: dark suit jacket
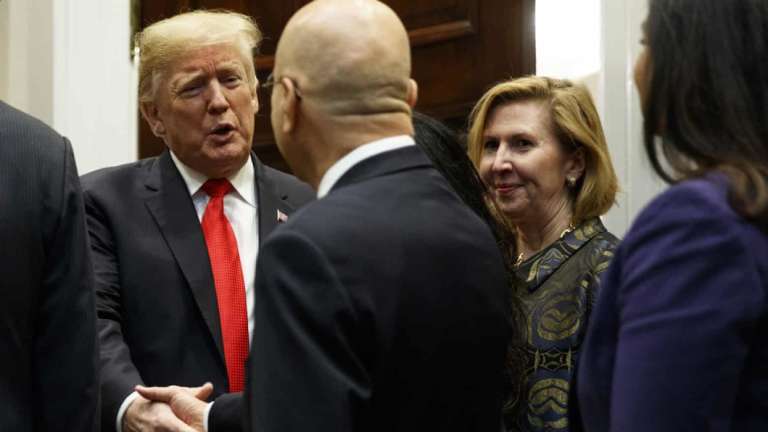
(677, 340)
(48, 345)
(381, 307)
(158, 317)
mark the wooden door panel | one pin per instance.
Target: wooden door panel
(459, 49)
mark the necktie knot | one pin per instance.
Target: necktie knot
(217, 188)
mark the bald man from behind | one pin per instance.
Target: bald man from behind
(380, 306)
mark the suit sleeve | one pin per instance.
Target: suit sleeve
(304, 370)
(119, 376)
(226, 413)
(66, 352)
(688, 304)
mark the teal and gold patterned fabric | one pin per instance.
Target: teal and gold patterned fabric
(558, 289)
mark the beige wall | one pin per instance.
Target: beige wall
(26, 80)
(3, 49)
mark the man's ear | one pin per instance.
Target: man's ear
(413, 93)
(289, 107)
(151, 114)
(576, 164)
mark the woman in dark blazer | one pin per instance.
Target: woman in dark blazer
(678, 338)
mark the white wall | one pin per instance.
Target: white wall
(596, 42)
(568, 38)
(68, 63)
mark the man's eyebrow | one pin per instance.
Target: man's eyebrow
(185, 77)
(230, 65)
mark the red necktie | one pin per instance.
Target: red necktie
(228, 279)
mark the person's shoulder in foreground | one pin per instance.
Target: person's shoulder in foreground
(20, 129)
(48, 370)
(687, 300)
(702, 204)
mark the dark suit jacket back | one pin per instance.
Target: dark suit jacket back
(48, 352)
(381, 307)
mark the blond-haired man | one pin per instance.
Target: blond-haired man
(174, 238)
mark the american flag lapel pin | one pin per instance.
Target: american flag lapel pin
(281, 217)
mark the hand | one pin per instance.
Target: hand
(146, 415)
(187, 403)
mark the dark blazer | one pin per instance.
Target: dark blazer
(677, 341)
(158, 317)
(48, 345)
(381, 307)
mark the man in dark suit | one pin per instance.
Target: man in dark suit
(382, 306)
(175, 238)
(48, 346)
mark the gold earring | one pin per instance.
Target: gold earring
(571, 181)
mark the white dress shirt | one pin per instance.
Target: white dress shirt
(241, 209)
(365, 151)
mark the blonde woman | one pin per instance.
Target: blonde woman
(539, 146)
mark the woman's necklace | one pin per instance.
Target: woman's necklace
(521, 256)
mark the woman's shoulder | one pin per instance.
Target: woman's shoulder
(699, 200)
(600, 248)
(693, 211)
(602, 240)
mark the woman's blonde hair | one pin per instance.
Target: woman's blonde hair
(577, 126)
(163, 42)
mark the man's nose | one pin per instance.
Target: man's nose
(218, 102)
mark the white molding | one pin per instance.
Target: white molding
(67, 62)
(619, 106)
(95, 97)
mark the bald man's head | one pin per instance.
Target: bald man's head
(351, 57)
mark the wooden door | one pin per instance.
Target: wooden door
(459, 49)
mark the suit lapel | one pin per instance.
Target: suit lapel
(173, 211)
(270, 199)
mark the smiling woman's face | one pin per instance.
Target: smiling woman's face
(204, 109)
(522, 162)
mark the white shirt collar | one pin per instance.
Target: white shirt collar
(365, 151)
(242, 181)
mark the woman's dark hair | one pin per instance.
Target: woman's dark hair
(443, 148)
(708, 95)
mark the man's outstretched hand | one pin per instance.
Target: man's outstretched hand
(144, 415)
(186, 403)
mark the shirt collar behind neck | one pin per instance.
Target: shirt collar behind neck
(242, 181)
(365, 151)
